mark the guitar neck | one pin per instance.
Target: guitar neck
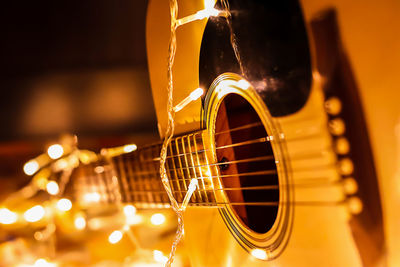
(135, 178)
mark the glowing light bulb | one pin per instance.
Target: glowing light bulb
(31, 167)
(157, 219)
(52, 188)
(80, 222)
(192, 97)
(34, 214)
(7, 216)
(43, 263)
(55, 151)
(91, 197)
(130, 148)
(196, 94)
(259, 254)
(159, 257)
(64, 204)
(129, 210)
(115, 237)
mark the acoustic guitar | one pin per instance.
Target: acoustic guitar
(293, 144)
(295, 166)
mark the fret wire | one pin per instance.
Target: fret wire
(106, 178)
(176, 171)
(194, 170)
(122, 175)
(118, 185)
(209, 196)
(91, 181)
(186, 185)
(153, 184)
(130, 178)
(149, 177)
(114, 184)
(101, 188)
(137, 176)
(144, 179)
(183, 143)
(79, 184)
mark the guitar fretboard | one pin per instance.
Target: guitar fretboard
(134, 177)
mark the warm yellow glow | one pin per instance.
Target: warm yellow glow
(243, 84)
(206, 13)
(130, 214)
(7, 216)
(64, 204)
(130, 148)
(91, 197)
(159, 257)
(55, 151)
(157, 219)
(194, 95)
(129, 210)
(43, 263)
(259, 254)
(52, 188)
(80, 222)
(34, 214)
(115, 237)
(31, 167)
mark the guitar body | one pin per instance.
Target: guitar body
(333, 160)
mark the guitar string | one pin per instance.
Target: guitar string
(251, 125)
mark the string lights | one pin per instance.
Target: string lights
(207, 12)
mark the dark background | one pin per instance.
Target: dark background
(72, 67)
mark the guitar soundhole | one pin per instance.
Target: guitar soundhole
(247, 164)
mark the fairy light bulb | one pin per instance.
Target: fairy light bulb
(31, 167)
(129, 210)
(259, 254)
(159, 256)
(80, 222)
(52, 188)
(34, 214)
(115, 237)
(7, 216)
(157, 219)
(194, 95)
(55, 151)
(130, 148)
(64, 204)
(43, 263)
